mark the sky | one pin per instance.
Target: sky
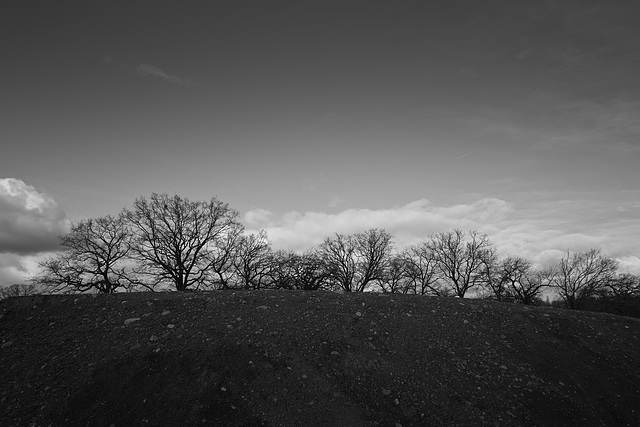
(516, 118)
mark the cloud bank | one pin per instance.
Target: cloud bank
(150, 70)
(30, 225)
(514, 230)
(30, 222)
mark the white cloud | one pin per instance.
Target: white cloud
(629, 264)
(30, 222)
(151, 70)
(540, 233)
(18, 269)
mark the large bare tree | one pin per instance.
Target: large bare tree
(581, 275)
(353, 262)
(462, 259)
(94, 256)
(176, 239)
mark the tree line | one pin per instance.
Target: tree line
(170, 242)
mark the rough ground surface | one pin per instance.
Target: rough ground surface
(311, 359)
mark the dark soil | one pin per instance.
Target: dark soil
(284, 358)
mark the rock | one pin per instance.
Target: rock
(6, 344)
(335, 353)
(262, 307)
(135, 347)
(164, 313)
(386, 392)
(131, 320)
(171, 326)
(153, 338)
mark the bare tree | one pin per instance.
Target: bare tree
(18, 290)
(624, 286)
(175, 238)
(517, 280)
(395, 280)
(252, 261)
(354, 262)
(308, 271)
(222, 255)
(422, 272)
(581, 275)
(462, 259)
(94, 256)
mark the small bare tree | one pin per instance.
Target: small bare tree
(422, 272)
(395, 280)
(252, 261)
(176, 238)
(309, 272)
(581, 275)
(354, 262)
(462, 259)
(519, 281)
(94, 256)
(18, 290)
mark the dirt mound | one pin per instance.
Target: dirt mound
(281, 358)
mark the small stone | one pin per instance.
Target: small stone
(262, 307)
(131, 320)
(503, 367)
(153, 338)
(386, 392)
(229, 326)
(164, 313)
(171, 326)
(335, 353)
(465, 321)
(6, 344)
(358, 314)
(135, 347)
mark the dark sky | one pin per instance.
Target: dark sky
(519, 118)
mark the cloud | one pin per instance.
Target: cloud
(150, 70)
(30, 222)
(541, 233)
(18, 269)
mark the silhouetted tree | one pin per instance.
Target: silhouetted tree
(309, 271)
(94, 256)
(517, 280)
(18, 290)
(252, 261)
(394, 279)
(581, 275)
(354, 261)
(422, 272)
(462, 259)
(176, 240)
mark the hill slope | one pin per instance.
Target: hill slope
(312, 358)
